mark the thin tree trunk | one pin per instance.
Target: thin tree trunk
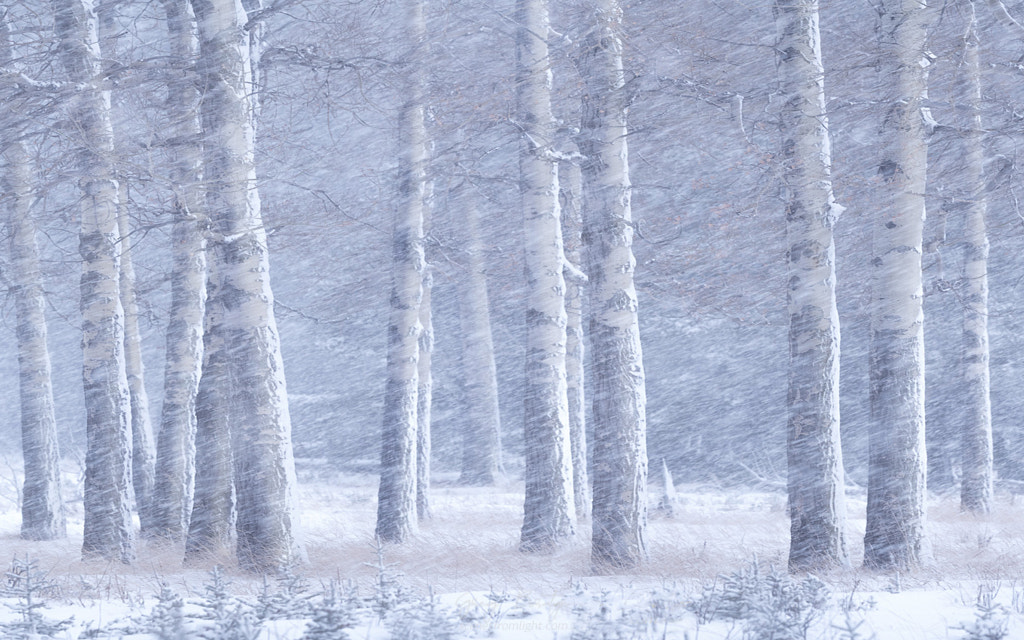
(246, 330)
(42, 506)
(976, 448)
(817, 506)
(396, 503)
(108, 532)
(424, 401)
(142, 438)
(895, 530)
(549, 513)
(481, 437)
(175, 457)
(618, 383)
(575, 285)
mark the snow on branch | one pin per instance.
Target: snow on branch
(573, 272)
(1004, 17)
(26, 82)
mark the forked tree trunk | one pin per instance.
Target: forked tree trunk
(895, 533)
(575, 285)
(481, 436)
(175, 456)
(817, 506)
(976, 448)
(42, 506)
(549, 511)
(617, 371)
(108, 532)
(396, 503)
(246, 331)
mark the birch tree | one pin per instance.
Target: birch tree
(617, 371)
(247, 341)
(481, 437)
(575, 284)
(817, 507)
(895, 530)
(976, 448)
(424, 400)
(107, 529)
(549, 513)
(175, 457)
(396, 502)
(42, 505)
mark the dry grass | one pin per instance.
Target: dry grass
(471, 544)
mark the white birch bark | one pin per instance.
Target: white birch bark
(617, 371)
(425, 396)
(817, 507)
(42, 505)
(175, 457)
(142, 431)
(572, 236)
(976, 446)
(396, 499)
(108, 533)
(246, 330)
(895, 533)
(481, 437)
(549, 513)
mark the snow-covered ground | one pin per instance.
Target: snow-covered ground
(713, 574)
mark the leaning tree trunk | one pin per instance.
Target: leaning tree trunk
(108, 531)
(575, 284)
(175, 456)
(817, 506)
(42, 507)
(396, 504)
(142, 438)
(246, 330)
(617, 370)
(549, 513)
(895, 535)
(481, 436)
(976, 446)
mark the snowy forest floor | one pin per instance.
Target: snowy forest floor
(715, 572)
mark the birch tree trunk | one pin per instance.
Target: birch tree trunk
(108, 533)
(572, 234)
(481, 438)
(549, 513)
(396, 503)
(619, 393)
(142, 438)
(895, 533)
(175, 456)
(42, 506)
(817, 506)
(246, 330)
(211, 522)
(424, 401)
(976, 447)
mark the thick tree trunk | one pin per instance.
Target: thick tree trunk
(42, 507)
(142, 431)
(481, 437)
(575, 284)
(396, 504)
(425, 396)
(617, 371)
(817, 506)
(108, 531)
(211, 520)
(175, 457)
(246, 330)
(976, 447)
(549, 513)
(895, 534)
